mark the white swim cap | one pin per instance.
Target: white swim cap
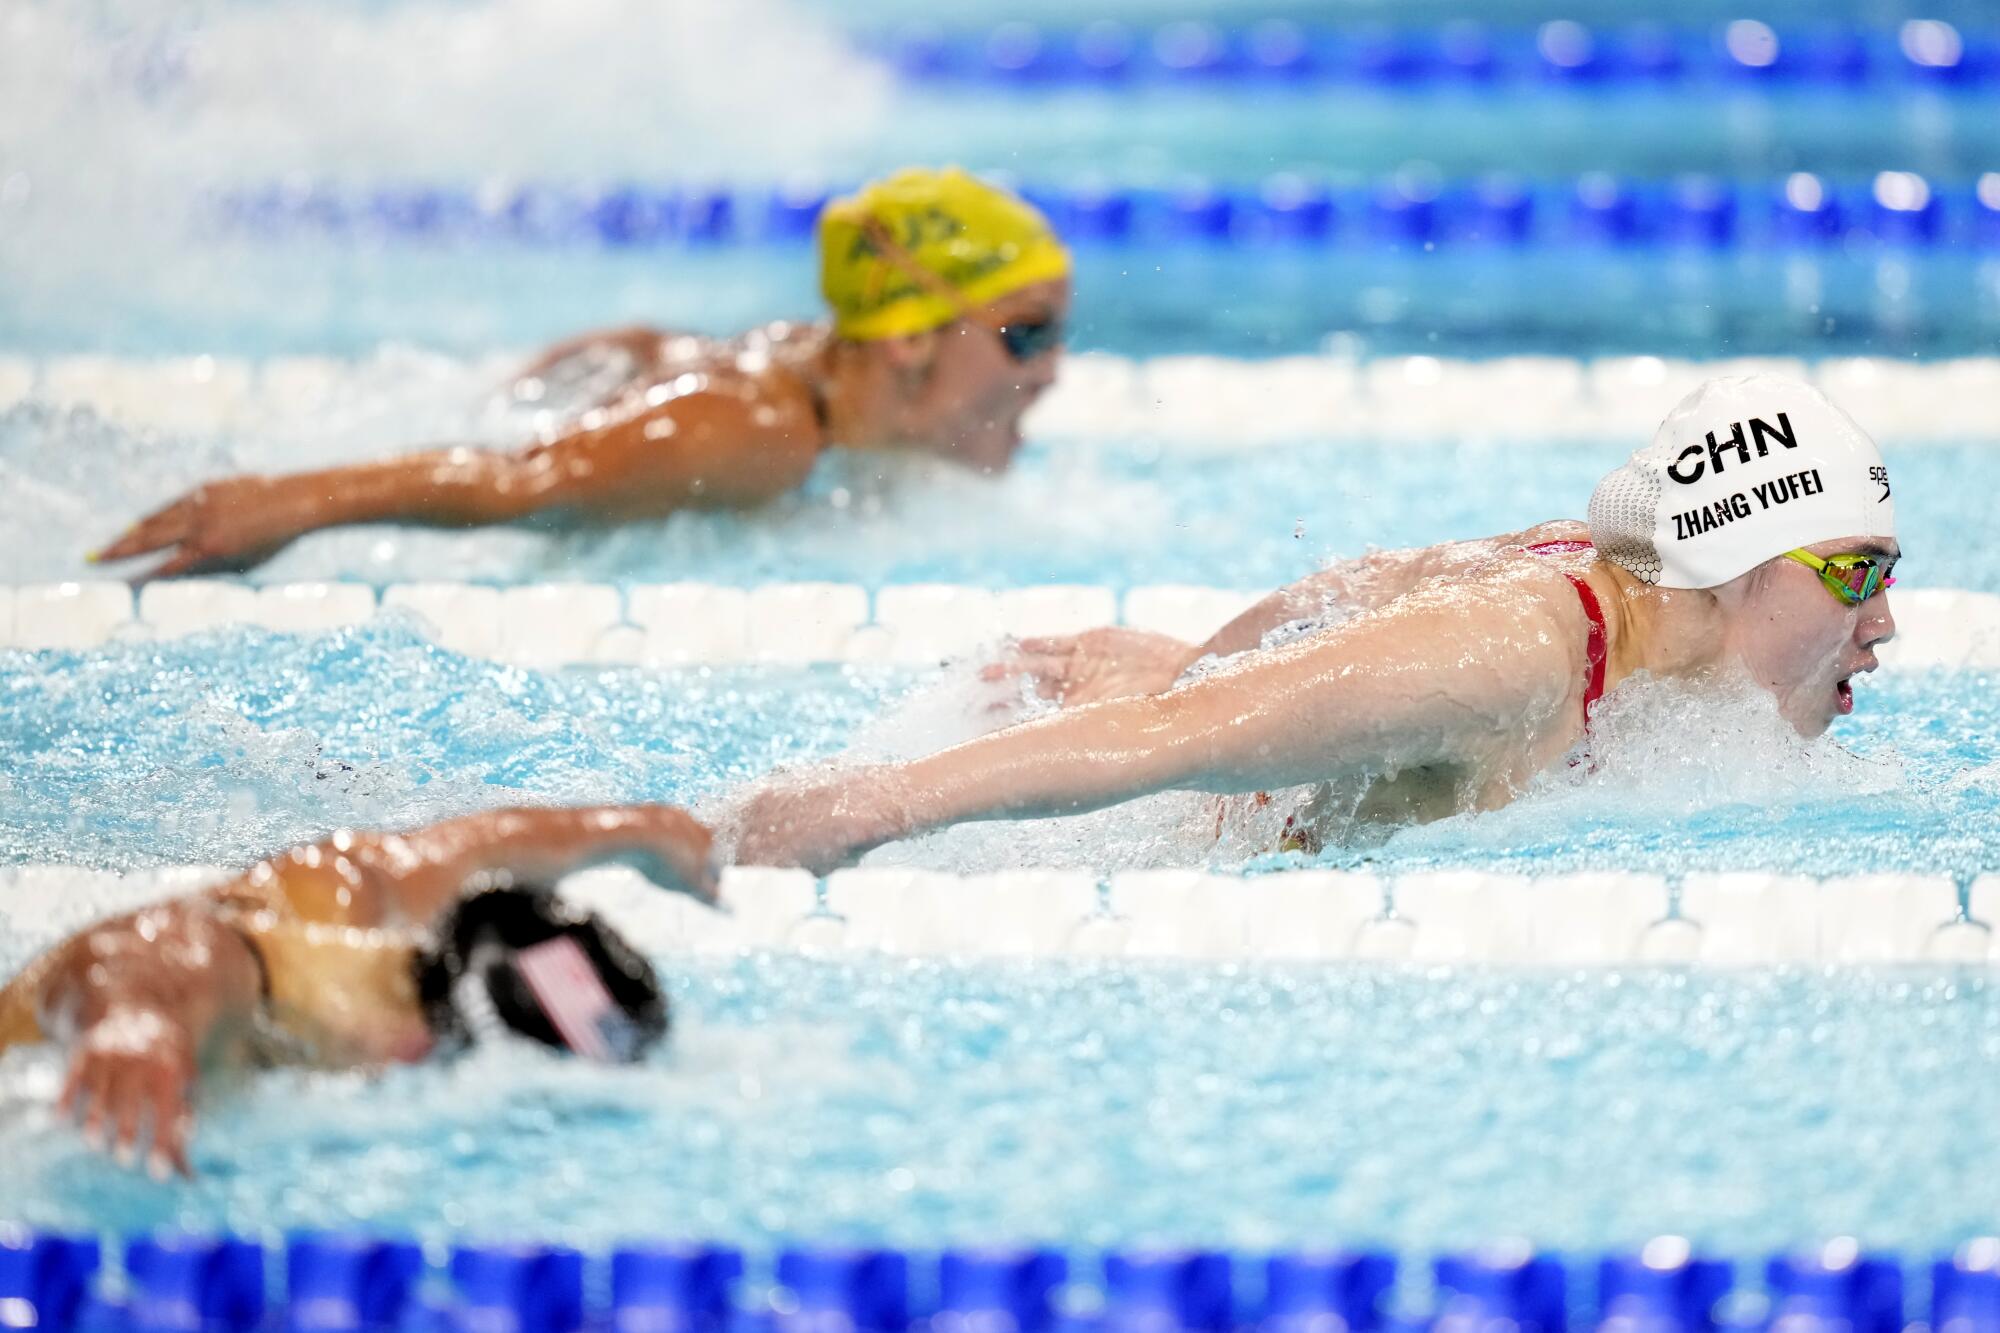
(1743, 469)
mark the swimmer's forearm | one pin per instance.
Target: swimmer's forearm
(426, 869)
(1418, 684)
(452, 487)
(178, 962)
(1065, 764)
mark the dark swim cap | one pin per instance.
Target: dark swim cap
(552, 973)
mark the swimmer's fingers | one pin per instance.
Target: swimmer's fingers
(88, 1094)
(172, 1121)
(1051, 672)
(185, 560)
(157, 531)
(79, 1087)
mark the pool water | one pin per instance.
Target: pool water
(220, 748)
(1110, 512)
(928, 1103)
(128, 125)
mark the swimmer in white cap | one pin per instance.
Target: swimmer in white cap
(1752, 538)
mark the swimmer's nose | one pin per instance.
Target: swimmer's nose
(1877, 623)
(1040, 373)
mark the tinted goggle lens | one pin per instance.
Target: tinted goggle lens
(1025, 342)
(1856, 578)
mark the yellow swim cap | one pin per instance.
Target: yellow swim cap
(980, 242)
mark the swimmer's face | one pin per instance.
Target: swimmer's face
(1801, 642)
(968, 404)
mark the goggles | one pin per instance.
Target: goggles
(1024, 340)
(1851, 578)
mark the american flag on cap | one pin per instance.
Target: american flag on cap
(571, 993)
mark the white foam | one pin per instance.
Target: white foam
(17, 379)
(200, 395)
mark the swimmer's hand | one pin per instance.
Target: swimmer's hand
(134, 1066)
(224, 525)
(820, 825)
(673, 849)
(1111, 663)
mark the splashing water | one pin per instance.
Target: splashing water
(222, 747)
(119, 120)
(1113, 512)
(930, 1104)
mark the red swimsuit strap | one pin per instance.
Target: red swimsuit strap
(1595, 650)
(1597, 647)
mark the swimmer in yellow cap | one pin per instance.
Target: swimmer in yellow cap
(948, 299)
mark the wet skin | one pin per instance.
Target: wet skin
(700, 423)
(1461, 676)
(306, 956)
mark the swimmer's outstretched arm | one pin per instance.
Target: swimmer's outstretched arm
(707, 449)
(1448, 676)
(136, 999)
(365, 878)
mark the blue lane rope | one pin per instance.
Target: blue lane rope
(1892, 209)
(355, 1283)
(1920, 53)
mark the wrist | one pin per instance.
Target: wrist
(136, 1027)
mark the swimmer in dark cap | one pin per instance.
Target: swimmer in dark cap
(948, 297)
(365, 949)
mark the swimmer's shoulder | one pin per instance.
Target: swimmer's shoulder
(322, 884)
(1555, 530)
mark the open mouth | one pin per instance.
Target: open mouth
(1844, 690)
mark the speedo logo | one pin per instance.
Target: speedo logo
(1695, 461)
